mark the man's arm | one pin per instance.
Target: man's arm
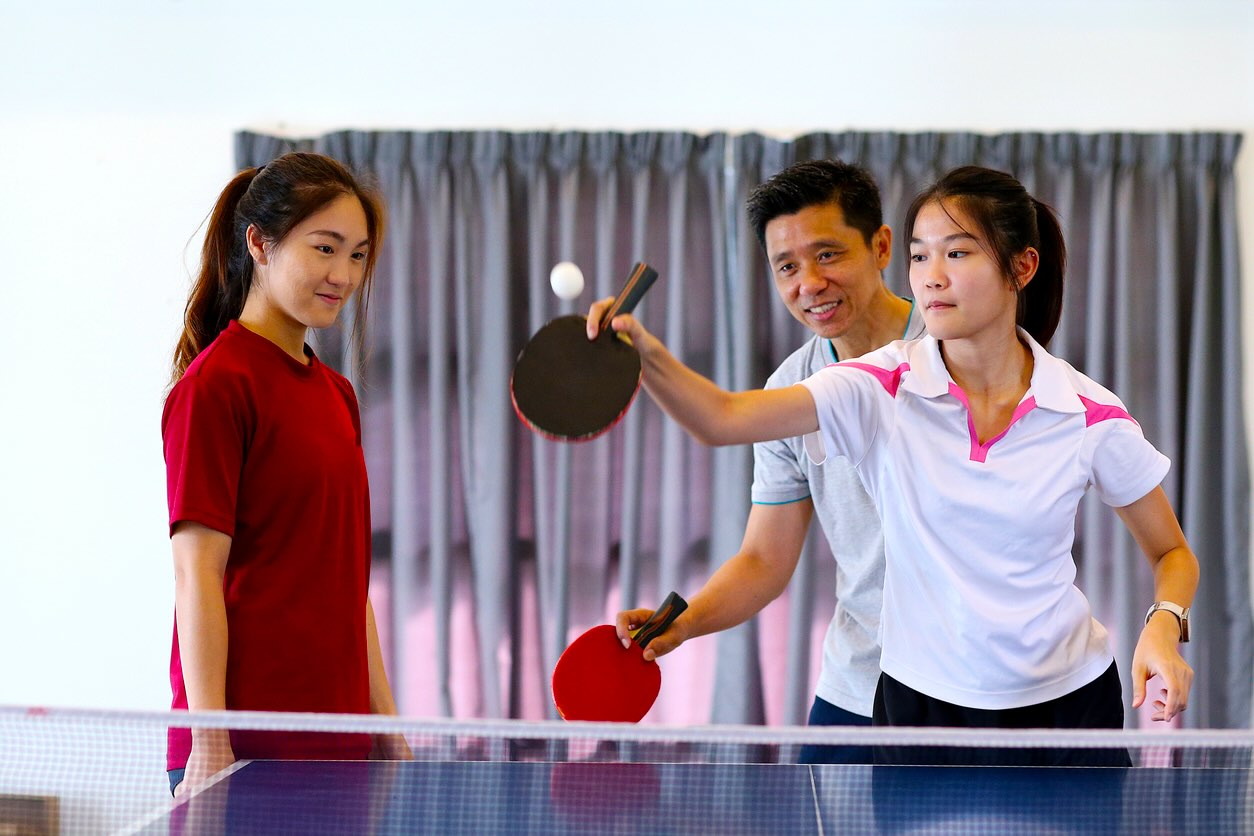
(747, 582)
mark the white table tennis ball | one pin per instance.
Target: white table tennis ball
(566, 279)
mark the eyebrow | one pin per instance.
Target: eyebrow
(822, 244)
(338, 237)
(950, 238)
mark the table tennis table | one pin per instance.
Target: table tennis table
(538, 797)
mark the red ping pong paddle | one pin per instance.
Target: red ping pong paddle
(597, 678)
(569, 388)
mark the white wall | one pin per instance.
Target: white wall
(116, 124)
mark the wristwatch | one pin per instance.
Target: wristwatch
(1181, 614)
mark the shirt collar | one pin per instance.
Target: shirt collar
(1051, 383)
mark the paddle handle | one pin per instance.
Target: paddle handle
(662, 618)
(641, 279)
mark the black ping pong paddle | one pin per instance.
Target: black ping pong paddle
(569, 388)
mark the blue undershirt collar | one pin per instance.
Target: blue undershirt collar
(904, 334)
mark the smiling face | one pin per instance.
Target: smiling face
(825, 271)
(304, 280)
(956, 279)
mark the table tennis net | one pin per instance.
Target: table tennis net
(86, 771)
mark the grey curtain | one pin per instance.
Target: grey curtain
(496, 547)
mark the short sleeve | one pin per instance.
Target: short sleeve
(778, 478)
(345, 388)
(203, 431)
(1125, 465)
(849, 401)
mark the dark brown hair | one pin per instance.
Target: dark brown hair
(1010, 220)
(274, 198)
(818, 183)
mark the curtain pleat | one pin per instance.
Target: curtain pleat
(494, 548)
(429, 159)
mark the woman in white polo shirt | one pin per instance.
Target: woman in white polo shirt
(977, 445)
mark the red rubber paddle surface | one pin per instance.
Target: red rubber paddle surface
(598, 679)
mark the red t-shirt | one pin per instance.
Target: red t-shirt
(268, 451)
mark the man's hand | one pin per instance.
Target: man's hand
(625, 325)
(629, 621)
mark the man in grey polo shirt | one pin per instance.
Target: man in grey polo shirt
(821, 226)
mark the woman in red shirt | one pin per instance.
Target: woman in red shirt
(268, 497)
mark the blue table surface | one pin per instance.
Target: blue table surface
(533, 797)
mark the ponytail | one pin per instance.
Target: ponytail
(1040, 302)
(225, 277)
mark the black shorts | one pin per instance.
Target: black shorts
(1097, 705)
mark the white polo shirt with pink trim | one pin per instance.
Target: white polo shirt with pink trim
(980, 603)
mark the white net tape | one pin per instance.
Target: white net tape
(98, 771)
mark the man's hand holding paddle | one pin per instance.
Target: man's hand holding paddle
(624, 324)
(629, 621)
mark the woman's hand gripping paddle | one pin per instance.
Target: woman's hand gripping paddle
(569, 388)
(598, 679)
